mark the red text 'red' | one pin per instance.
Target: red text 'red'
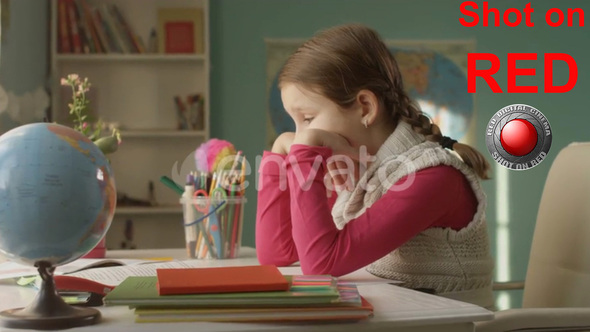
(512, 71)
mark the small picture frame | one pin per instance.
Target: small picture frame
(180, 30)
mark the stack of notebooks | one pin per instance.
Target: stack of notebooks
(239, 294)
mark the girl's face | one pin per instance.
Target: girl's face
(310, 110)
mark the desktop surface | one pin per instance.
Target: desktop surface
(394, 306)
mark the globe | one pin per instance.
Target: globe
(57, 194)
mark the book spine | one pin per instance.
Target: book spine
(181, 113)
(113, 31)
(109, 38)
(64, 38)
(130, 37)
(73, 25)
(99, 45)
(87, 42)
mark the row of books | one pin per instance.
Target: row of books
(239, 294)
(84, 28)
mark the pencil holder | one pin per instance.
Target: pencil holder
(213, 226)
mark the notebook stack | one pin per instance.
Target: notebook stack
(239, 294)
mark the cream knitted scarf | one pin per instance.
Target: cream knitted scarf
(456, 264)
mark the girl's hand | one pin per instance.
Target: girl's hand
(342, 164)
(282, 144)
(317, 137)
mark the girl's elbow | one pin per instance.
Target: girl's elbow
(273, 260)
(275, 257)
(320, 268)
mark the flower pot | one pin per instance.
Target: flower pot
(99, 251)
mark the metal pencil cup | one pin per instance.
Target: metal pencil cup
(213, 226)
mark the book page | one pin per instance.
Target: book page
(359, 277)
(10, 270)
(113, 276)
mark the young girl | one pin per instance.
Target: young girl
(415, 214)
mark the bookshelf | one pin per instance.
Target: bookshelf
(136, 91)
(129, 57)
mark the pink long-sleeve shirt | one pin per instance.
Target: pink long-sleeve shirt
(294, 221)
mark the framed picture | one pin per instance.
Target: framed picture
(180, 30)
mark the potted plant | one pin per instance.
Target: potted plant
(94, 130)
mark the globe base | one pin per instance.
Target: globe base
(48, 311)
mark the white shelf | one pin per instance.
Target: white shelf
(114, 57)
(162, 133)
(147, 210)
(138, 91)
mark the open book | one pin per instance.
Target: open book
(9, 270)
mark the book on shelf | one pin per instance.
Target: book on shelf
(196, 104)
(181, 30)
(131, 37)
(72, 17)
(62, 27)
(190, 115)
(95, 27)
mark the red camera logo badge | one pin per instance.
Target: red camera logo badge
(518, 137)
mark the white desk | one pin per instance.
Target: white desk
(394, 307)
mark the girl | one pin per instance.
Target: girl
(416, 213)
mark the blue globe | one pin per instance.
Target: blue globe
(57, 194)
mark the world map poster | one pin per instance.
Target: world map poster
(434, 75)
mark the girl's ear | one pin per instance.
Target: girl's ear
(369, 106)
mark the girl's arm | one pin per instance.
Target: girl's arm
(274, 240)
(391, 221)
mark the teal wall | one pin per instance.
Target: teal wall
(25, 47)
(23, 52)
(238, 29)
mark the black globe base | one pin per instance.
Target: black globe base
(48, 311)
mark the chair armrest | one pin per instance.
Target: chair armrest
(508, 285)
(537, 319)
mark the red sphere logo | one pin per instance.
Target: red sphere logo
(518, 137)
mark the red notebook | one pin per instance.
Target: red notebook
(232, 279)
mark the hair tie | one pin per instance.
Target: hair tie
(447, 142)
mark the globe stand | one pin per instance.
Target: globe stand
(48, 311)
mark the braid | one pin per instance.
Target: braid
(410, 113)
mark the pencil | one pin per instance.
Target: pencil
(243, 176)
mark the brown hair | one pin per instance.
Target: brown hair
(343, 60)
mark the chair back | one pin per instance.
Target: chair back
(558, 273)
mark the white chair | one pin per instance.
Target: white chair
(557, 285)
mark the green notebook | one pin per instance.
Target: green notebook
(142, 292)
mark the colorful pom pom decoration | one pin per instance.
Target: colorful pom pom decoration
(214, 155)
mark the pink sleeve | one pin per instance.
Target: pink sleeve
(391, 221)
(274, 241)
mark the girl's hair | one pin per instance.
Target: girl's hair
(341, 61)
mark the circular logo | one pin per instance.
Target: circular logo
(518, 137)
